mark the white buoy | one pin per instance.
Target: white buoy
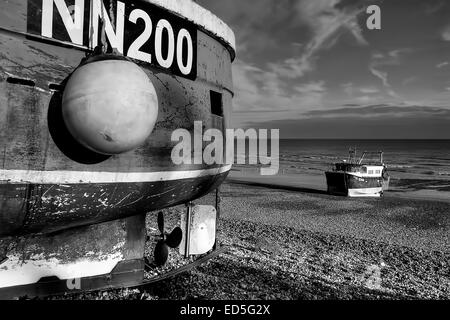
(110, 106)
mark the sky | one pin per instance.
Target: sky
(313, 69)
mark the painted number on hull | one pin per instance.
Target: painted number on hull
(134, 50)
(140, 30)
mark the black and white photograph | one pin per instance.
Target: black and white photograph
(225, 155)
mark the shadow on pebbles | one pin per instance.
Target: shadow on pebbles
(275, 262)
(270, 262)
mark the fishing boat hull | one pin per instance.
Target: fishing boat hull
(48, 180)
(33, 208)
(74, 212)
(348, 184)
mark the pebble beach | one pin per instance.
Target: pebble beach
(286, 243)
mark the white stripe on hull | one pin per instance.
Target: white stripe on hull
(363, 175)
(77, 177)
(365, 192)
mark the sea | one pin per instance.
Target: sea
(422, 159)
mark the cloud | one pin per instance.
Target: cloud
(257, 89)
(351, 105)
(326, 23)
(293, 67)
(365, 99)
(295, 56)
(396, 54)
(382, 110)
(446, 33)
(410, 80)
(351, 90)
(442, 64)
(348, 88)
(325, 18)
(382, 75)
(387, 127)
(271, 86)
(311, 87)
(380, 61)
(369, 90)
(382, 121)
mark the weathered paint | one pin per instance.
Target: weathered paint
(30, 208)
(33, 139)
(73, 254)
(71, 177)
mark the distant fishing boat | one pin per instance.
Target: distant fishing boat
(363, 177)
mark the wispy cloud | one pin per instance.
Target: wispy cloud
(361, 95)
(380, 61)
(293, 67)
(275, 86)
(326, 22)
(446, 33)
(295, 56)
(369, 90)
(382, 110)
(311, 87)
(382, 75)
(382, 122)
(260, 89)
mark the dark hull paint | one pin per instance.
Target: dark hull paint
(341, 182)
(48, 208)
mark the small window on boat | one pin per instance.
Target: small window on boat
(216, 103)
(370, 172)
(377, 171)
